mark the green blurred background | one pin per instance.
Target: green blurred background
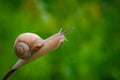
(93, 48)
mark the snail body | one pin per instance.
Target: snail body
(29, 46)
(47, 45)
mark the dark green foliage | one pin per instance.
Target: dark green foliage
(93, 48)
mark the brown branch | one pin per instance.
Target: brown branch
(8, 74)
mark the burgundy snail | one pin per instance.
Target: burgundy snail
(29, 46)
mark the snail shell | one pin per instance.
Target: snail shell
(26, 44)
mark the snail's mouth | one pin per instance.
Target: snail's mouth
(63, 39)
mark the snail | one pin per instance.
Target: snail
(29, 46)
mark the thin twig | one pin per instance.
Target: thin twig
(8, 74)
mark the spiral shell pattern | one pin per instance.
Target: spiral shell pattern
(27, 44)
(22, 50)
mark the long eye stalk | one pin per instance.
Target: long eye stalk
(66, 31)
